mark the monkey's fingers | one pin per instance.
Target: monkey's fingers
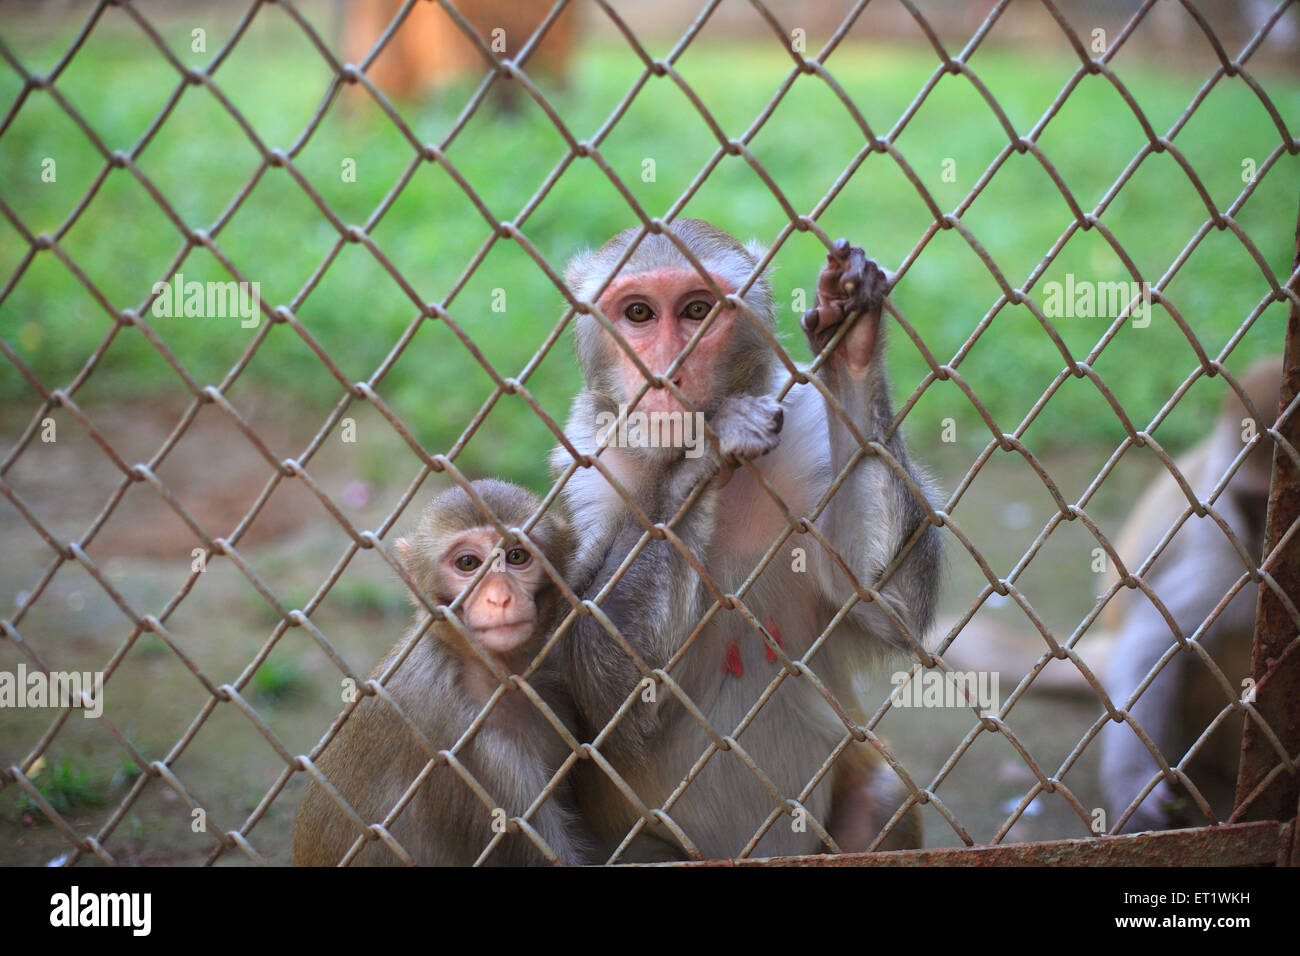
(748, 427)
(853, 274)
(872, 287)
(811, 321)
(819, 328)
(863, 284)
(842, 273)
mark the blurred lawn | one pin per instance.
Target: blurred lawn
(200, 158)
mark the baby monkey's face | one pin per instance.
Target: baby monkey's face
(501, 611)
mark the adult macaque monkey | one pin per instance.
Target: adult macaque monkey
(442, 686)
(1193, 573)
(657, 302)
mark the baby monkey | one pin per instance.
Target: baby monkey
(442, 686)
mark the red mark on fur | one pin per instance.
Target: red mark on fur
(732, 663)
(772, 629)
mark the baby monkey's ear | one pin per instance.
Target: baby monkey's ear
(403, 547)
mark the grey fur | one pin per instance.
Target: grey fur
(660, 599)
(1193, 573)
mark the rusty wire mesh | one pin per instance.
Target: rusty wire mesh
(232, 695)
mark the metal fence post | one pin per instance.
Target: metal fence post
(1268, 786)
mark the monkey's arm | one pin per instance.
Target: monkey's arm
(874, 514)
(601, 673)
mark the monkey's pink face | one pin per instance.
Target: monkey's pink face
(501, 610)
(657, 313)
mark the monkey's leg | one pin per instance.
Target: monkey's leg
(1126, 763)
(1198, 567)
(865, 794)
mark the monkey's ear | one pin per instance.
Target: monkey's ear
(576, 272)
(756, 249)
(403, 547)
(563, 532)
(564, 545)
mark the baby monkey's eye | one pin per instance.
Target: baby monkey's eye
(517, 556)
(467, 562)
(638, 312)
(697, 309)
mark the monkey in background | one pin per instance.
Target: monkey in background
(657, 302)
(1192, 574)
(442, 686)
(429, 49)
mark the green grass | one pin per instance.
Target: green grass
(200, 159)
(364, 596)
(279, 680)
(66, 785)
(127, 769)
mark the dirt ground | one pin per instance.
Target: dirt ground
(228, 765)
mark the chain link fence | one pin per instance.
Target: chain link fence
(1258, 830)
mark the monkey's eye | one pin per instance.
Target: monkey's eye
(696, 309)
(517, 556)
(638, 312)
(468, 563)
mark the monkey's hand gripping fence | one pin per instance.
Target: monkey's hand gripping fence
(1267, 795)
